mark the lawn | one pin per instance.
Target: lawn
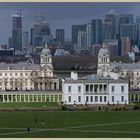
(27, 104)
(70, 124)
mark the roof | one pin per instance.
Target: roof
(94, 78)
(19, 66)
(126, 66)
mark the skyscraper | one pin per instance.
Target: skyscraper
(88, 38)
(60, 36)
(125, 46)
(96, 31)
(41, 31)
(16, 40)
(127, 30)
(75, 30)
(110, 25)
(25, 40)
(138, 31)
(31, 36)
(123, 20)
(82, 39)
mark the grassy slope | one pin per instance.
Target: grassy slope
(66, 119)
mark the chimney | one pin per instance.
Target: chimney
(74, 75)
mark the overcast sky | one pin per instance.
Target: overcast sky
(60, 15)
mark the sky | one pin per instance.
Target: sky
(59, 14)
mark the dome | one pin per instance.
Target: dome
(103, 52)
(46, 51)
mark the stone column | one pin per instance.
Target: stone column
(45, 98)
(20, 97)
(3, 98)
(49, 97)
(33, 99)
(57, 97)
(37, 97)
(7, 97)
(16, 97)
(28, 98)
(11, 97)
(54, 98)
(41, 97)
(24, 98)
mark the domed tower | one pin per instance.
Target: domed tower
(46, 57)
(103, 59)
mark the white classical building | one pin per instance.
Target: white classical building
(95, 89)
(20, 77)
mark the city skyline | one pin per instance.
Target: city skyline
(64, 18)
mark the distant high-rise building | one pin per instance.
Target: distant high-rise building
(125, 19)
(112, 46)
(125, 46)
(25, 40)
(16, 40)
(60, 36)
(75, 30)
(31, 36)
(96, 31)
(110, 25)
(82, 39)
(138, 31)
(41, 31)
(127, 30)
(88, 38)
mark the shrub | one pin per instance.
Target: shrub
(136, 107)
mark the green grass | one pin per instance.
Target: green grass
(20, 121)
(26, 104)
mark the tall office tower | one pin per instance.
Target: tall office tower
(41, 30)
(112, 46)
(82, 39)
(96, 31)
(110, 24)
(88, 31)
(125, 19)
(127, 30)
(138, 31)
(16, 40)
(75, 30)
(125, 46)
(31, 36)
(60, 36)
(25, 40)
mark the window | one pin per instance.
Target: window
(113, 88)
(79, 88)
(5, 74)
(69, 88)
(122, 88)
(87, 88)
(10, 74)
(0, 83)
(26, 74)
(20, 74)
(100, 98)
(122, 98)
(91, 88)
(91, 98)
(0, 74)
(104, 98)
(96, 98)
(112, 98)
(69, 98)
(16, 74)
(86, 98)
(79, 98)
